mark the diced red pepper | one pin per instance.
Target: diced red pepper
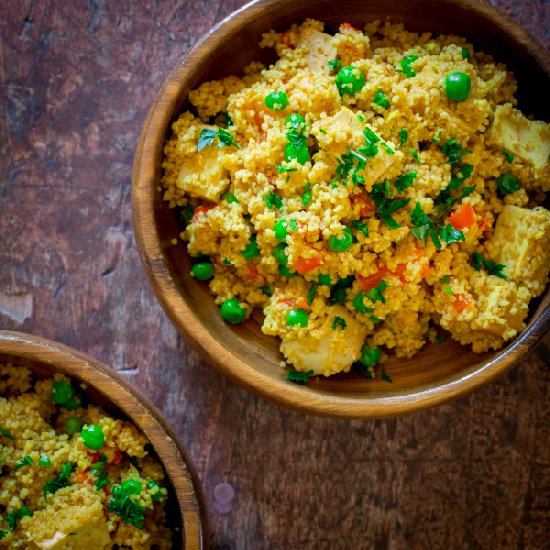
(199, 210)
(303, 265)
(286, 40)
(348, 27)
(461, 303)
(463, 217)
(368, 283)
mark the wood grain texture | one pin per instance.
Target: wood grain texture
(76, 81)
(104, 387)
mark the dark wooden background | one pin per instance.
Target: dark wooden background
(76, 81)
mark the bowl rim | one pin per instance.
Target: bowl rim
(139, 409)
(279, 391)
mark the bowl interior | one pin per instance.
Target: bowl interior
(243, 352)
(112, 395)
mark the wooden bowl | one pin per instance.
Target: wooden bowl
(185, 509)
(438, 372)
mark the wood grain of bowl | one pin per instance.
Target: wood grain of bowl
(439, 372)
(184, 509)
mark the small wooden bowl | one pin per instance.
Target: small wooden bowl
(185, 509)
(438, 372)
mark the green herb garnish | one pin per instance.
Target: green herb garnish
(403, 137)
(381, 99)
(61, 480)
(25, 461)
(208, 135)
(339, 323)
(99, 470)
(266, 291)
(273, 201)
(507, 184)
(437, 137)
(385, 208)
(298, 377)
(478, 261)
(230, 198)
(14, 517)
(349, 165)
(123, 505)
(7, 434)
(445, 279)
(376, 294)
(307, 196)
(404, 181)
(360, 226)
(449, 234)
(423, 226)
(311, 294)
(414, 154)
(454, 151)
(282, 168)
(44, 461)
(509, 157)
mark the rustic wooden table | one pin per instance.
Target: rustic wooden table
(76, 80)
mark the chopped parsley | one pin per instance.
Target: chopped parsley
(437, 137)
(448, 290)
(380, 194)
(334, 64)
(478, 262)
(387, 148)
(123, 505)
(349, 166)
(445, 201)
(414, 154)
(440, 338)
(507, 184)
(360, 226)
(307, 196)
(272, 200)
(445, 279)
(282, 168)
(230, 198)
(14, 517)
(508, 155)
(370, 149)
(99, 470)
(311, 294)
(423, 226)
(298, 377)
(403, 137)
(226, 261)
(449, 234)
(384, 375)
(208, 136)
(25, 461)
(404, 181)
(406, 68)
(61, 480)
(454, 151)
(381, 99)
(266, 291)
(3, 534)
(339, 323)
(376, 294)
(7, 434)
(293, 225)
(44, 461)
(465, 53)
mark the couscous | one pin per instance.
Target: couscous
(367, 190)
(73, 477)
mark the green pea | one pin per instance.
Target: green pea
(285, 272)
(232, 311)
(349, 80)
(325, 280)
(202, 271)
(73, 425)
(276, 101)
(296, 123)
(359, 305)
(62, 392)
(297, 150)
(369, 356)
(251, 250)
(131, 486)
(280, 254)
(297, 317)
(458, 86)
(343, 244)
(281, 230)
(93, 437)
(77, 400)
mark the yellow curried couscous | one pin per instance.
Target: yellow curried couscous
(73, 477)
(365, 189)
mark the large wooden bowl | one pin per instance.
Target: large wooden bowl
(438, 372)
(184, 509)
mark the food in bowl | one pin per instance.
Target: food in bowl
(72, 475)
(364, 191)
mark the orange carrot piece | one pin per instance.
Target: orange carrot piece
(462, 218)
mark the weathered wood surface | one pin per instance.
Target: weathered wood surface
(76, 81)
